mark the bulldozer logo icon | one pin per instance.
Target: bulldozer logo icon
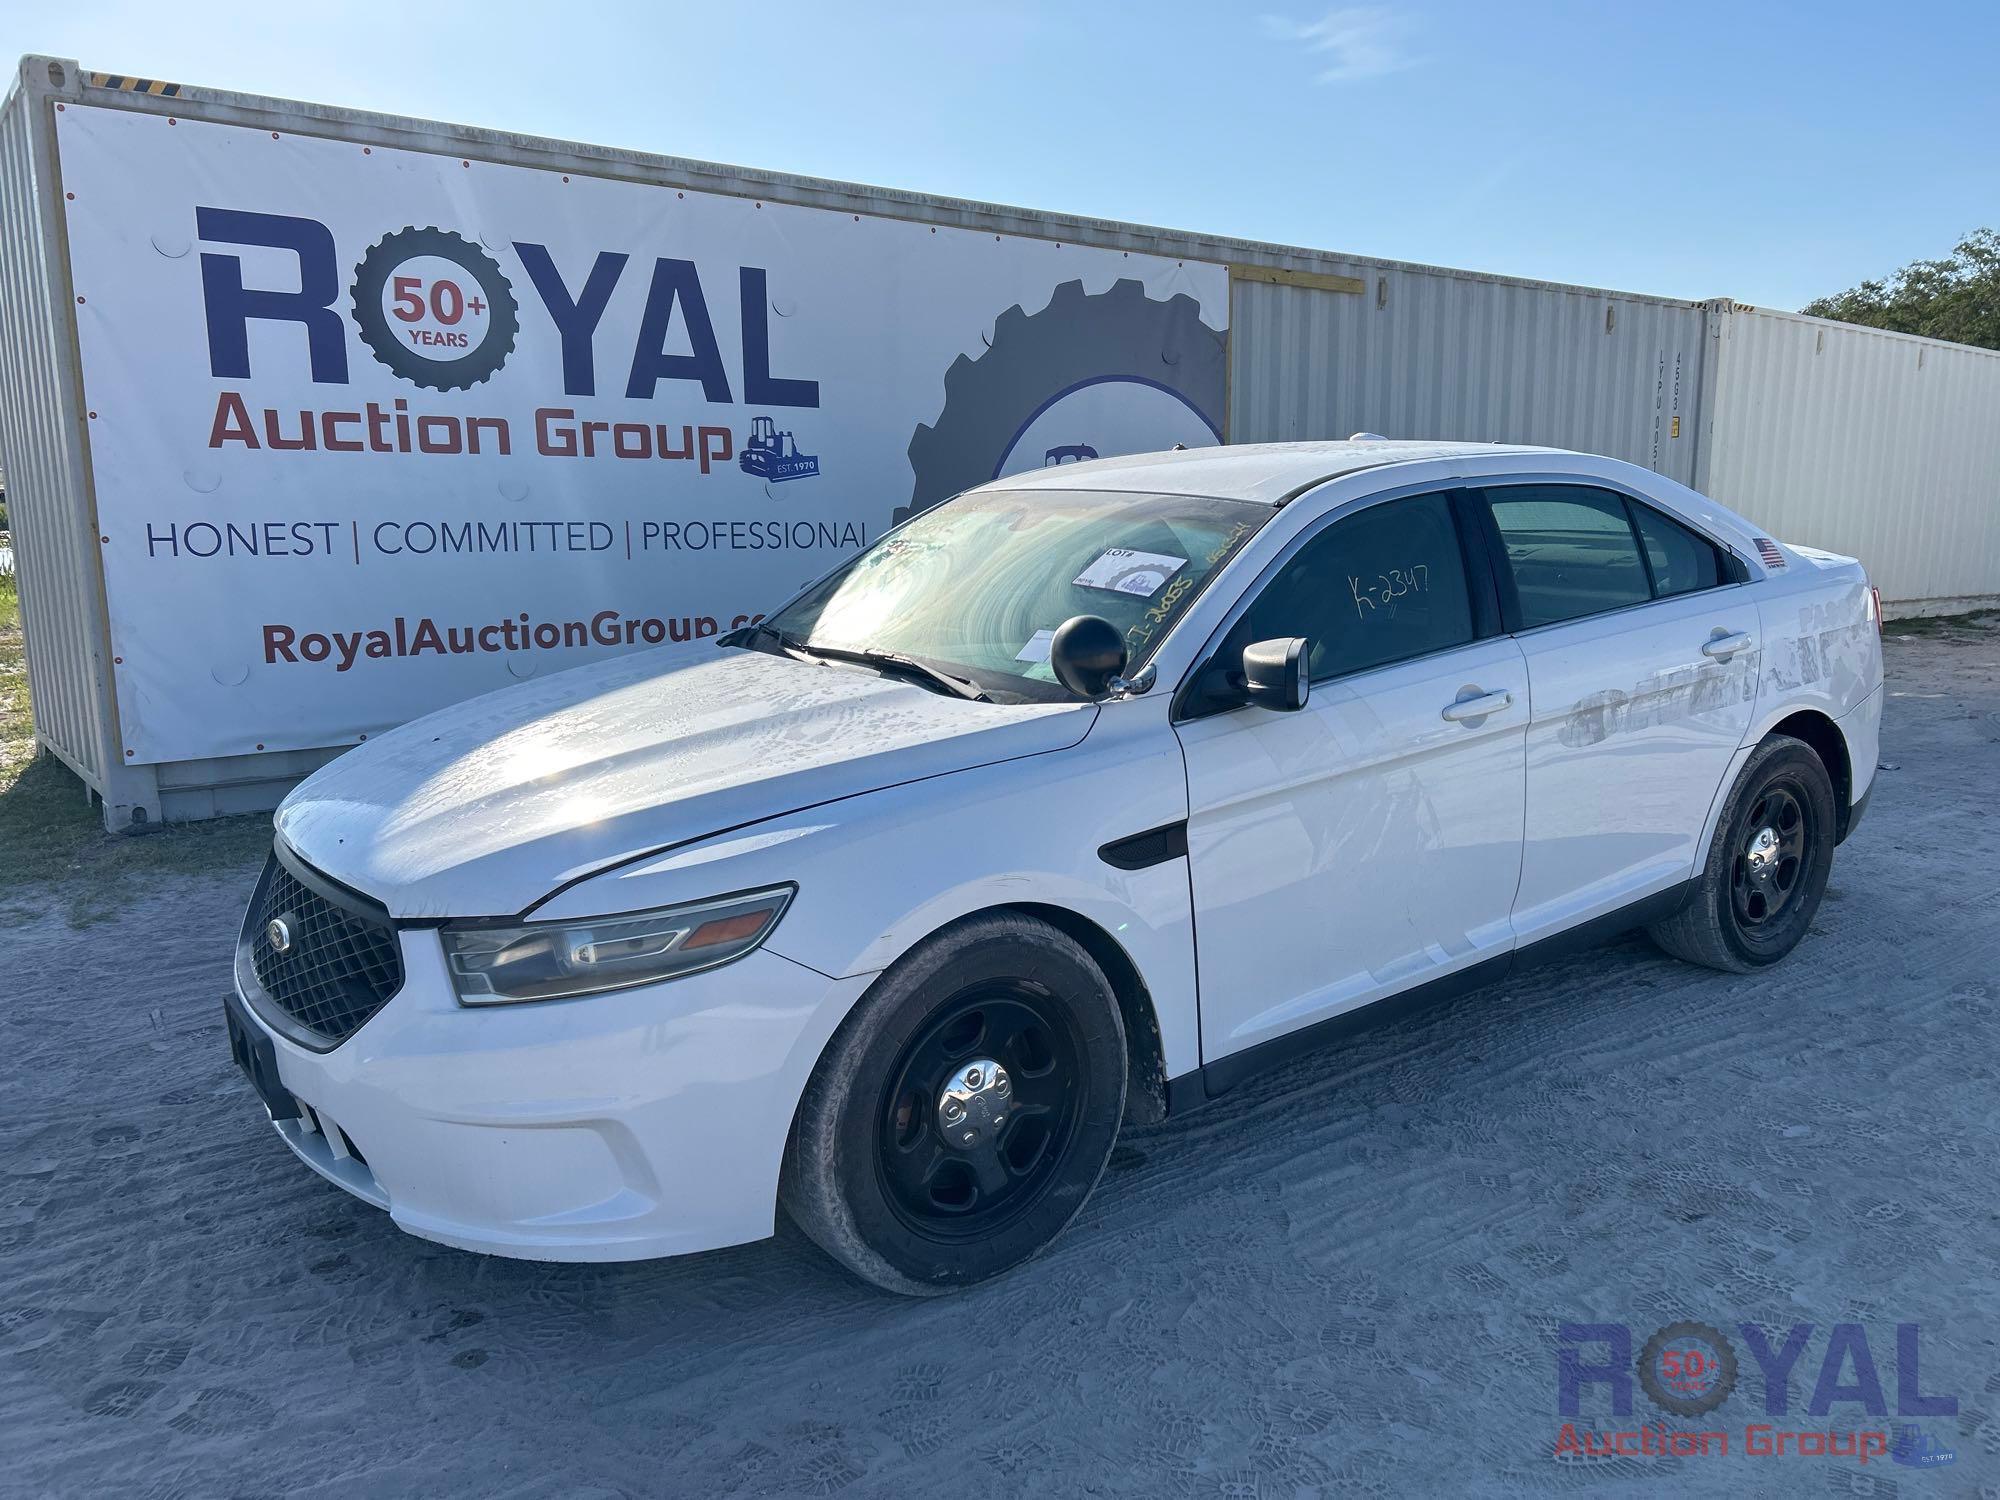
(772, 455)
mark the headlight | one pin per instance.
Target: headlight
(559, 960)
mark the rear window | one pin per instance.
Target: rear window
(1682, 562)
(1571, 550)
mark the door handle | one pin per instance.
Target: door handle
(1477, 707)
(1721, 647)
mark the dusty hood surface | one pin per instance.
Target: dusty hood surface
(483, 808)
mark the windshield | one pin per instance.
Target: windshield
(978, 585)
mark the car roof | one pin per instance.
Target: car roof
(1265, 473)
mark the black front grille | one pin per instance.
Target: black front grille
(340, 963)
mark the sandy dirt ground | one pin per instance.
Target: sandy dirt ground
(1347, 1277)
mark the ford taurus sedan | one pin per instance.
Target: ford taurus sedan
(1074, 800)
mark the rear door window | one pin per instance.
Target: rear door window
(1571, 550)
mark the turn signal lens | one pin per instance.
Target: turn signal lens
(723, 930)
(503, 965)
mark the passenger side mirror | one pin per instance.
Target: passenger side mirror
(1275, 674)
(1086, 652)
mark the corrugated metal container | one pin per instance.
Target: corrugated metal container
(1410, 351)
(1879, 445)
(41, 442)
(1867, 443)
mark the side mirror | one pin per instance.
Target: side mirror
(1274, 674)
(1086, 652)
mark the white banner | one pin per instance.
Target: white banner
(373, 430)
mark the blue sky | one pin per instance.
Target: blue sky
(1765, 152)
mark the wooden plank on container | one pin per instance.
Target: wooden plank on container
(1314, 280)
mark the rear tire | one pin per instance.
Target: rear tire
(918, 1163)
(1767, 865)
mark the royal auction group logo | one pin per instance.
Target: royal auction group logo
(1688, 1370)
(435, 309)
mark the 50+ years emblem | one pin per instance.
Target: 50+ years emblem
(435, 308)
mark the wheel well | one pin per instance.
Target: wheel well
(1830, 745)
(1146, 1087)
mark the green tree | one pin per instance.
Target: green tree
(1957, 298)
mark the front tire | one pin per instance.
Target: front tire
(964, 1111)
(1767, 866)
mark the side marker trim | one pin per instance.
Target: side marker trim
(1140, 851)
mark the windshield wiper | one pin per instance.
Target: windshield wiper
(907, 666)
(790, 645)
(882, 661)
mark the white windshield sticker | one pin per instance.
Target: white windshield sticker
(1037, 648)
(1122, 571)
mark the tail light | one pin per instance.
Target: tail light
(1875, 607)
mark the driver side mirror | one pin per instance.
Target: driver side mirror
(1275, 673)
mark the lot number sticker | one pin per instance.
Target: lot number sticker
(1122, 571)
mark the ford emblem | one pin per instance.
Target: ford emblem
(278, 933)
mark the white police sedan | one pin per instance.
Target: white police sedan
(1074, 800)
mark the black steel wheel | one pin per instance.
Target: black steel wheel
(963, 1111)
(1770, 857)
(1767, 864)
(979, 1109)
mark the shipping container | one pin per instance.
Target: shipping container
(1409, 351)
(314, 419)
(1879, 445)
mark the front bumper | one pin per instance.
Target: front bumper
(641, 1123)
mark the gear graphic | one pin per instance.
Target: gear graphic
(1076, 339)
(1687, 1406)
(468, 369)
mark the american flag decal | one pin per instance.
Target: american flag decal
(1768, 550)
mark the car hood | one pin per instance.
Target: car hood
(484, 808)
